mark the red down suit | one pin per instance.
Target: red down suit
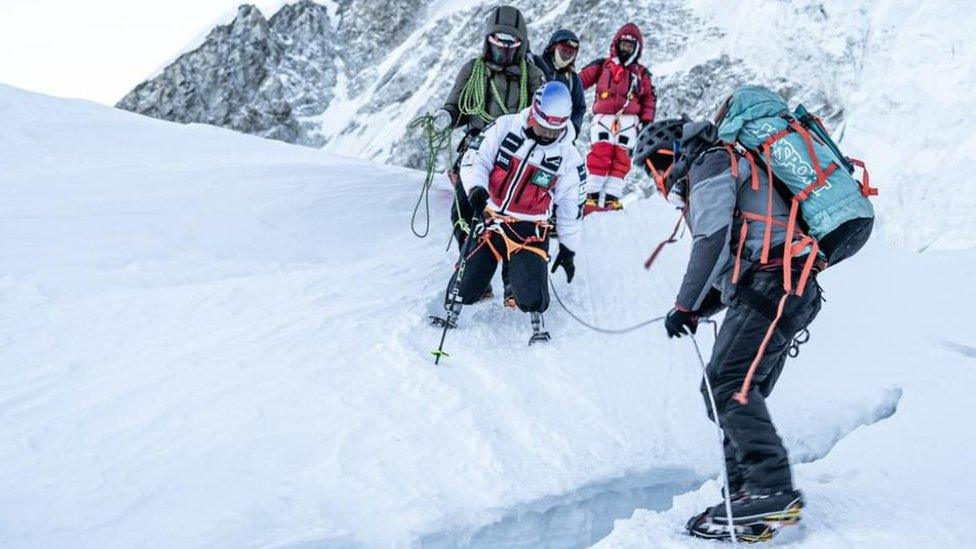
(625, 99)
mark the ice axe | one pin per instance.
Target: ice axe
(453, 302)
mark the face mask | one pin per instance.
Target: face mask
(564, 53)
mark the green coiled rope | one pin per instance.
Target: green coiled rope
(436, 141)
(472, 101)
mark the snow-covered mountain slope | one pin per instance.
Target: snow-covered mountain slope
(892, 77)
(351, 78)
(213, 340)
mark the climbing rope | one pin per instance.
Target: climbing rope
(727, 492)
(598, 328)
(671, 239)
(708, 387)
(436, 142)
(473, 101)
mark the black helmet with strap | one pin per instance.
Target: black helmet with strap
(696, 138)
(654, 151)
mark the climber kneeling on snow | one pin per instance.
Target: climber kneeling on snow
(625, 100)
(770, 201)
(514, 174)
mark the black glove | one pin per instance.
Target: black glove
(564, 259)
(478, 198)
(679, 323)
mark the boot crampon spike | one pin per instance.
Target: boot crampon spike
(754, 520)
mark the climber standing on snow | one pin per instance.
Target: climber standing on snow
(765, 217)
(558, 62)
(500, 81)
(625, 100)
(514, 174)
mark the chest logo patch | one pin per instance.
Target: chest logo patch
(542, 179)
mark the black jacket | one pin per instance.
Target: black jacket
(567, 76)
(506, 80)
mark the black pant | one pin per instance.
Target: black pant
(461, 209)
(754, 454)
(527, 270)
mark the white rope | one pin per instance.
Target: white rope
(721, 442)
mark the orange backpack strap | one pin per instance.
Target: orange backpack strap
(743, 234)
(733, 160)
(866, 188)
(768, 233)
(822, 174)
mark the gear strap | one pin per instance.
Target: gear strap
(501, 225)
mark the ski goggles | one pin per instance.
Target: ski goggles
(502, 48)
(548, 121)
(546, 134)
(568, 49)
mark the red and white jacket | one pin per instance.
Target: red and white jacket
(525, 179)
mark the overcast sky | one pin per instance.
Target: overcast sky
(99, 49)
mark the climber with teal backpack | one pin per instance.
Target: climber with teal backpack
(502, 80)
(770, 202)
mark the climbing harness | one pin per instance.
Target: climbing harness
(501, 225)
(801, 338)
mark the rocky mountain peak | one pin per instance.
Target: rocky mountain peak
(349, 76)
(305, 18)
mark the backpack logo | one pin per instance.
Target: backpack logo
(786, 155)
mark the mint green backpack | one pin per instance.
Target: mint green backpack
(831, 217)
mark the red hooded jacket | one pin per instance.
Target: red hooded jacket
(622, 89)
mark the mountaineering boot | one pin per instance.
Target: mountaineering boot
(756, 518)
(510, 298)
(487, 296)
(593, 204)
(538, 334)
(611, 203)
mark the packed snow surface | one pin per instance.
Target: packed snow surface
(213, 340)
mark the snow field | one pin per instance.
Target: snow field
(211, 340)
